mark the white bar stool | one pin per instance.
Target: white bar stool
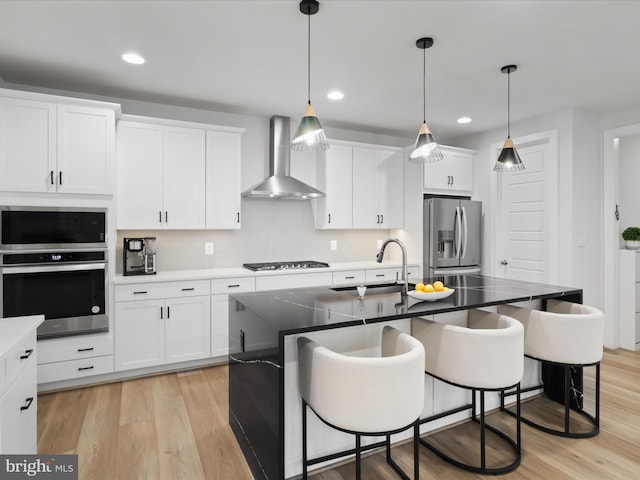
(487, 356)
(371, 396)
(569, 335)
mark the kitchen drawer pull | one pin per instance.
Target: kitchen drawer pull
(60, 177)
(166, 217)
(168, 312)
(51, 177)
(349, 278)
(89, 349)
(27, 405)
(235, 285)
(238, 213)
(141, 292)
(188, 289)
(159, 216)
(27, 354)
(85, 368)
(380, 274)
(161, 314)
(329, 218)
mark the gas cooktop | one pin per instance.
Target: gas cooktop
(257, 267)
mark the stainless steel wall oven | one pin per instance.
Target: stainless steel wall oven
(53, 261)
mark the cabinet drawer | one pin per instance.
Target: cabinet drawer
(83, 367)
(383, 275)
(348, 277)
(277, 282)
(19, 357)
(233, 285)
(155, 291)
(18, 407)
(73, 348)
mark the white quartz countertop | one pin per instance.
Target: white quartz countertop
(14, 328)
(211, 273)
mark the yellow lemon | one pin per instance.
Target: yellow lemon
(438, 286)
(428, 288)
(419, 287)
(445, 289)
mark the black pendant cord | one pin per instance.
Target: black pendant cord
(309, 59)
(424, 85)
(509, 104)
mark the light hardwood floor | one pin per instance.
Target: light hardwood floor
(174, 426)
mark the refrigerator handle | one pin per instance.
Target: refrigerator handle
(465, 232)
(457, 233)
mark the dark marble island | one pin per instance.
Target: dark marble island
(264, 408)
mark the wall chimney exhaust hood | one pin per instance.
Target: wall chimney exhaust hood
(280, 184)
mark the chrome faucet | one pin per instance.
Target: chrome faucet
(405, 279)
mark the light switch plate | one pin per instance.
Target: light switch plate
(208, 248)
(333, 245)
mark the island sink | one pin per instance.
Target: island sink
(374, 289)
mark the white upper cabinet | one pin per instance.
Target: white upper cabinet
(160, 177)
(86, 149)
(378, 188)
(177, 175)
(223, 180)
(184, 178)
(335, 175)
(453, 175)
(49, 146)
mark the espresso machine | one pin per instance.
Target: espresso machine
(139, 256)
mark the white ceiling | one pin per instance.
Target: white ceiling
(250, 57)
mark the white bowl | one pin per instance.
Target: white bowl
(431, 296)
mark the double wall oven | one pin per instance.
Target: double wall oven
(53, 261)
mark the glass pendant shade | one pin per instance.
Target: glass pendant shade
(508, 160)
(426, 148)
(309, 136)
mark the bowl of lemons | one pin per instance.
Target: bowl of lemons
(431, 292)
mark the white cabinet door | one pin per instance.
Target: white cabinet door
(335, 172)
(437, 175)
(18, 409)
(378, 188)
(27, 146)
(219, 325)
(86, 149)
(223, 180)
(391, 189)
(188, 329)
(140, 334)
(139, 176)
(365, 188)
(184, 178)
(461, 167)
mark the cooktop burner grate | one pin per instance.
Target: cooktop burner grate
(257, 267)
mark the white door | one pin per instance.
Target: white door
(527, 206)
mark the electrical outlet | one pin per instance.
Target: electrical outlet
(378, 243)
(333, 245)
(208, 248)
(582, 241)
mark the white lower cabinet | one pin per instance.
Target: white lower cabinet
(18, 388)
(170, 323)
(74, 357)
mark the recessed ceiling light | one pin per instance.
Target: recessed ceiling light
(463, 120)
(335, 95)
(133, 58)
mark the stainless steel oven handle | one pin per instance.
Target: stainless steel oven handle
(8, 270)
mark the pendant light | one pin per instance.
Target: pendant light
(508, 160)
(309, 136)
(426, 148)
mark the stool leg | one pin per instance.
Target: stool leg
(304, 440)
(598, 395)
(416, 450)
(518, 422)
(567, 398)
(483, 460)
(357, 456)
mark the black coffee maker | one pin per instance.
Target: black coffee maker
(139, 256)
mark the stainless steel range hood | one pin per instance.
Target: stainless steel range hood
(280, 183)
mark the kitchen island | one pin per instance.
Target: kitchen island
(264, 404)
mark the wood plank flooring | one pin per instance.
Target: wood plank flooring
(174, 426)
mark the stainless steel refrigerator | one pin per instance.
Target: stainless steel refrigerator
(452, 236)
